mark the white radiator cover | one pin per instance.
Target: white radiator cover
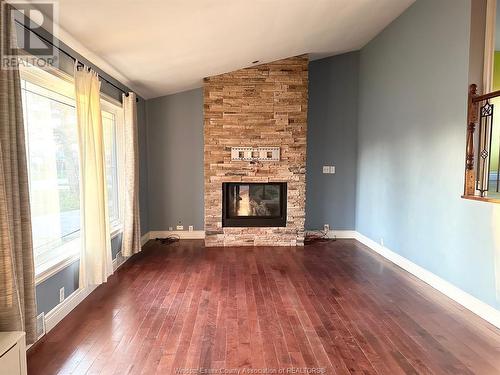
(12, 353)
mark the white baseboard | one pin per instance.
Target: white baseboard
(145, 238)
(119, 261)
(200, 234)
(342, 234)
(478, 307)
(60, 311)
(182, 234)
(54, 316)
(334, 233)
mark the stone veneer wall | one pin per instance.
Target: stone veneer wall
(265, 105)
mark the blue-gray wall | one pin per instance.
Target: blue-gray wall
(412, 120)
(47, 292)
(332, 140)
(175, 160)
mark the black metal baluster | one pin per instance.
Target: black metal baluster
(487, 165)
(480, 145)
(484, 152)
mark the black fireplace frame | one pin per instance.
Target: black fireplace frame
(253, 221)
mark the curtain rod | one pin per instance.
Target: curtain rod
(72, 57)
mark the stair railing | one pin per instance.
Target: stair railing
(479, 152)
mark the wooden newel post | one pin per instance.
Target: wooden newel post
(472, 111)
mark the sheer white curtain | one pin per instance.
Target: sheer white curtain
(95, 259)
(131, 240)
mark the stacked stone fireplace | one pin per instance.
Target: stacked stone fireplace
(261, 106)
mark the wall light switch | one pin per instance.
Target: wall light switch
(328, 169)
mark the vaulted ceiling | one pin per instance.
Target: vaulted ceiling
(165, 46)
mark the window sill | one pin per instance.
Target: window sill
(59, 264)
(481, 199)
(56, 267)
(115, 231)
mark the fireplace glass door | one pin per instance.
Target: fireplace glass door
(254, 204)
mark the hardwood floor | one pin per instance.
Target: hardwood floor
(334, 306)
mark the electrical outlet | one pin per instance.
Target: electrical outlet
(170, 228)
(61, 294)
(179, 227)
(382, 241)
(328, 169)
(326, 227)
(191, 228)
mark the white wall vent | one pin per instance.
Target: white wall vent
(40, 325)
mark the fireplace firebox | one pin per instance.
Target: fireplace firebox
(246, 204)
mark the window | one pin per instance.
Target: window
(54, 169)
(112, 122)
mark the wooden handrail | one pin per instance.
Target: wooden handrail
(490, 95)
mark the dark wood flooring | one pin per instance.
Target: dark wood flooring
(334, 306)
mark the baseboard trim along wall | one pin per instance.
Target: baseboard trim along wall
(478, 307)
(342, 234)
(200, 234)
(181, 234)
(119, 260)
(468, 301)
(144, 239)
(58, 313)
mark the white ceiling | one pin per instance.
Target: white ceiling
(160, 47)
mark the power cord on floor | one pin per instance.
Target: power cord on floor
(318, 236)
(168, 240)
